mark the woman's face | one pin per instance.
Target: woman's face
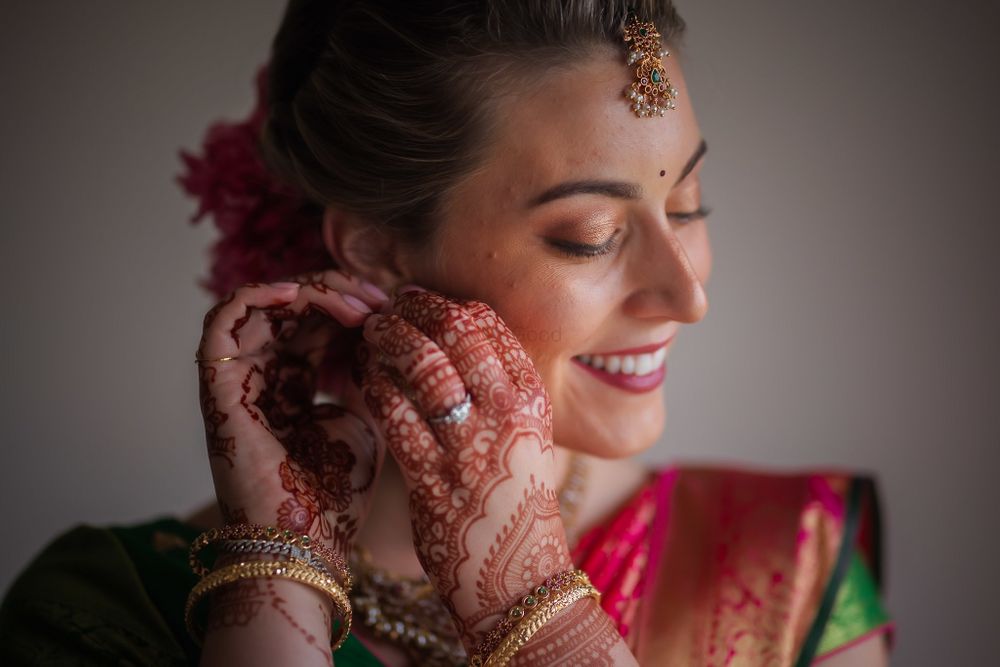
(570, 233)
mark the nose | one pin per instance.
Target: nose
(667, 285)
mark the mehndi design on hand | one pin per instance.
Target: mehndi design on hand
(484, 510)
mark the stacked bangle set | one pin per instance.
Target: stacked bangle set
(305, 561)
(312, 564)
(528, 616)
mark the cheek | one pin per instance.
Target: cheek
(550, 326)
(554, 323)
(555, 319)
(555, 312)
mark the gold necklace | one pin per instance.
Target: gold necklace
(407, 612)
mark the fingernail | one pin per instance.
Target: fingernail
(374, 291)
(356, 303)
(286, 285)
(409, 287)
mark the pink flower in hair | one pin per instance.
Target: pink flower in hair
(269, 231)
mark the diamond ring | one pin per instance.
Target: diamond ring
(457, 414)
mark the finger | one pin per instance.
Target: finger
(224, 323)
(406, 434)
(477, 357)
(342, 281)
(308, 327)
(508, 348)
(323, 299)
(241, 444)
(336, 295)
(424, 368)
(303, 327)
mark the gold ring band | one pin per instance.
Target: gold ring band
(205, 361)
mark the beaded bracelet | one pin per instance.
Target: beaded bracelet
(541, 615)
(249, 531)
(290, 570)
(547, 599)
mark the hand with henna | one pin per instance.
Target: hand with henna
(483, 499)
(277, 457)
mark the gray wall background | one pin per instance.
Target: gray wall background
(854, 305)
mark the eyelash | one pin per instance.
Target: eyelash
(586, 250)
(692, 216)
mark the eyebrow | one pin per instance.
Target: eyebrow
(614, 189)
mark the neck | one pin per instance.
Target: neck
(386, 532)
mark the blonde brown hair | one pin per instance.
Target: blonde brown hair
(383, 107)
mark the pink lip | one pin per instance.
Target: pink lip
(637, 384)
(652, 347)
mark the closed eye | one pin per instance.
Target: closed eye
(585, 249)
(690, 216)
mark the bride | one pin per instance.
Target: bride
(459, 243)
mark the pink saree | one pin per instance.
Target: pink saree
(729, 568)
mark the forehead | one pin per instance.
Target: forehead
(575, 123)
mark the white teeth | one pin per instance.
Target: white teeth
(644, 364)
(627, 364)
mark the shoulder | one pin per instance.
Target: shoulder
(757, 480)
(84, 600)
(750, 550)
(823, 510)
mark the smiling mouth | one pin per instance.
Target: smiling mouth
(625, 364)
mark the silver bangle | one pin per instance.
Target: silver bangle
(292, 551)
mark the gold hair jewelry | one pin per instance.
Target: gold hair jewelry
(205, 361)
(651, 94)
(290, 570)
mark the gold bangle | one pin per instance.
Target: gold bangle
(534, 621)
(290, 570)
(252, 531)
(553, 591)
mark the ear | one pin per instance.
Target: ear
(363, 249)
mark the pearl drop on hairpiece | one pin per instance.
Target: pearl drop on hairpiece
(651, 94)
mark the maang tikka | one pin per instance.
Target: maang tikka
(651, 94)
